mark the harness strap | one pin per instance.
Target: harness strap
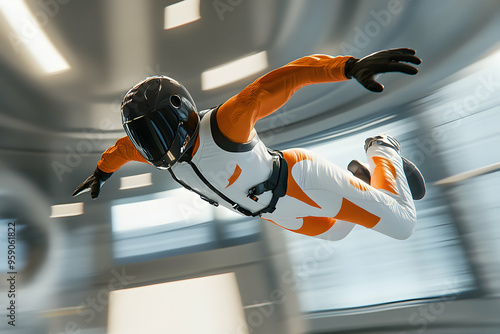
(277, 183)
(203, 197)
(269, 184)
(233, 204)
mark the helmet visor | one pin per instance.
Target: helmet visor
(153, 134)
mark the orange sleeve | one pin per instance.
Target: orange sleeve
(237, 117)
(118, 155)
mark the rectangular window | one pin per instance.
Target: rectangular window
(174, 222)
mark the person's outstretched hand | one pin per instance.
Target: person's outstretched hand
(93, 183)
(394, 60)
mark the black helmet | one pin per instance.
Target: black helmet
(160, 118)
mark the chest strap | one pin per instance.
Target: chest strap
(203, 197)
(233, 204)
(277, 183)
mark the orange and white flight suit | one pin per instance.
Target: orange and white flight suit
(322, 200)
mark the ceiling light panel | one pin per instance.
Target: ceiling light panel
(26, 31)
(234, 71)
(182, 13)
(135, 181)
(67, 210)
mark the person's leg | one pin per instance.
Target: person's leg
(388, 176)
(415, 179)
(320, 194)
(299, 213)
(318, 227)
(387, 171)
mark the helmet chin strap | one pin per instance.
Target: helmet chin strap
(185, 156)
(169, 156)
(188, 154)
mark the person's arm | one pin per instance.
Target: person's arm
(118, 155)
(237, 117)
(111, 160)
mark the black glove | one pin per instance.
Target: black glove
(93, 183)
(366, 68)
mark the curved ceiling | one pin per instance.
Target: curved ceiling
(111, 45)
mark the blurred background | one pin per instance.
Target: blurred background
(64, 68)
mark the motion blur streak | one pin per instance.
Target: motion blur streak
(446, 118)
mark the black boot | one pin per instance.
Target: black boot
(360, 171)
(415, 180)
